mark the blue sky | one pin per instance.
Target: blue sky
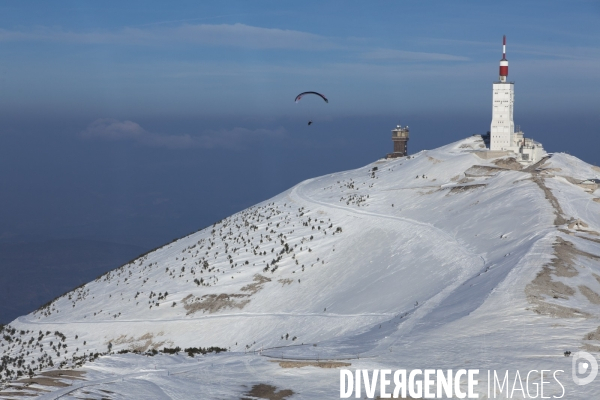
(198, 79)
(134, 59)
(140, 121)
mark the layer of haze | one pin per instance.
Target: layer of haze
(124, 126)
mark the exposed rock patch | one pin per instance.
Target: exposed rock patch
(430, 191)
(595, 335)
(269, 392)
(320, 364)
(509, 163)
(588, 187)
(49, 379)
(560, 219)
(257, 284)
(212, 303)
(558, 311)
(141, 344)
(537, 166)
(550, 170)
(44, 382)
(592, 296)
(543, 286)
(64, 373)
(589, 238)
(465, 188)
(483, 170)
(592, 337)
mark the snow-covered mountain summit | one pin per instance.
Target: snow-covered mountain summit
(435, 259)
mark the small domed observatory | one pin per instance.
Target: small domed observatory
(400, 139)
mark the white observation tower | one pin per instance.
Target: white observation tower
(502, 127)
(503, 137)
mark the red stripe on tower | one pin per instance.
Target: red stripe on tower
(504, 61)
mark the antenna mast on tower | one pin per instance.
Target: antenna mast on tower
(503, 62)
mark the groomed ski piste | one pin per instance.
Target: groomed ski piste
(440, 260)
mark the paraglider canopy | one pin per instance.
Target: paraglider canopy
(315, 93)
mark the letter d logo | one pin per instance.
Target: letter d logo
(583, 363)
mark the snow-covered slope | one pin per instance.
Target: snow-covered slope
(437, 260)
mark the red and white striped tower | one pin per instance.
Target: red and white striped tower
(503, 62)
(502, 128)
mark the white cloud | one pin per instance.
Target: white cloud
(233, 139)
(235, 35)
(111, 129)
(538, 50)
(251, 37)
(401, 55)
